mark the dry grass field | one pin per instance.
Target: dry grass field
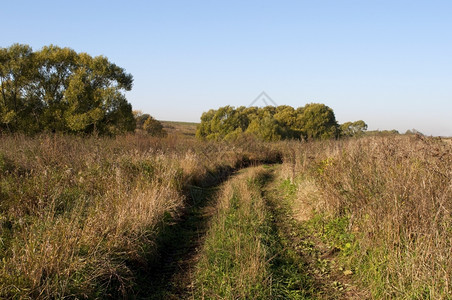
(384, 204)
(78, 213)
(81, 216)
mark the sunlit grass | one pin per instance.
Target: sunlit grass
(77, 214)
(385, 203)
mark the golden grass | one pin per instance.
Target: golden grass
(396, 193)
(76, 213)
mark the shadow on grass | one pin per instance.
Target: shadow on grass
(168, 273)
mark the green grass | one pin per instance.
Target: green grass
(299, 246)
(245, 256)
(232, 264)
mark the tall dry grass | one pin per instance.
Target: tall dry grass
(396, 195)
(78, 214)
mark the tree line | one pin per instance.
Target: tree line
(270, 123)
(59, 90)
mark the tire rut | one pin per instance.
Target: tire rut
(169, 276)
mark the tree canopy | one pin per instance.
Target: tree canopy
(58, 89)
(270, 123)
(353, 128)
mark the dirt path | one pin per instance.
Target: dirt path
(293, 254)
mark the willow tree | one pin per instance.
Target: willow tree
(19, 101)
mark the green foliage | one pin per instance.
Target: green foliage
(382, 133)
(357, 128)
(318, 122)
(266, 128)
(58, 89)
(335, 232)
(314, 121)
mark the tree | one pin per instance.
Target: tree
(266, 128)
(204, 128)
(317, 121)
(140, 118)
(413, 132)
(286, 116)
(356, 128)
(94, 97)
(55, 66)
(217, 124)
(58, 89)
(18, 102)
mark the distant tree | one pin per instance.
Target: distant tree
(94, 99)
(345, 129)
(145, 123)
(140, 119)
(356, 128)
(204, 128)
(217, 124)
(266, 127)
(317, 121)
(19, 103)
(314, 121)
(413, 132)
(224, 121)
(286, 116)
(55, 67)
(382, 132)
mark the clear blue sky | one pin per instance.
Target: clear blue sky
(386, 62)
